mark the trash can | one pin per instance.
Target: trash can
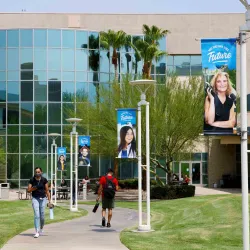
(215, 185)
(4, 191)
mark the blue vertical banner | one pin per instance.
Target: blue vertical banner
(219, 71)
(61, 154)
(126, 133)
(84, 150)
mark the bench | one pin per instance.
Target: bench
(20, 195)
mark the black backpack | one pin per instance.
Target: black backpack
(109, 188)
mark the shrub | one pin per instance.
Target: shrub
(132, 183)
(170, 192)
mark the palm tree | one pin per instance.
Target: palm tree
(115, 40)
(148, 48)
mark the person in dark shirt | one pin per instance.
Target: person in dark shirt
(220, 104)
(38, 186)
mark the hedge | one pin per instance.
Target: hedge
(132, 183)
(170, 192)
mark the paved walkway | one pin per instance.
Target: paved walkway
(82, 233)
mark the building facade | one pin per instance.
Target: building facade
(46, 59)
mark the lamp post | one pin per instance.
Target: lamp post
(74, 122)
(142, 86)
(243, 112)
(53, 146)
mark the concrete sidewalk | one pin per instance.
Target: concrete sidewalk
(82, 233)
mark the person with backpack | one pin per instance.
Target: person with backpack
(108, 187)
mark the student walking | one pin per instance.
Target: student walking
(108, 187)
(38, 185)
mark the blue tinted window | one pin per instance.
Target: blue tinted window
(2, 59)
(196, 68)
(2, 38)
(40, 91)
(68, 76)
(40, 116)
(161, 66)
(81, 76)
(68, 59)
(68, 91)
(26, 58)
(13, 59)
(104, 61)
(94, 60)
(82, 89)
(54, 91)
(13, 75)
(170, 60)
(104, 77)
(40, 38)
(26, 113)
(26, 38)
(82, 60)
(13, 91)
(93, 76)
(2, 91)
(54, 113)
(182, 65)
(54, 38)
(13, 38)
(54, 59)
(81, 39)
(54, 75)
(40, 75)
(93, 40)
(2, 75)
(27, 75)
(126, 63)
(40, 58)
(162, 44)
(92, 92)
(68, 39)
(26, 91)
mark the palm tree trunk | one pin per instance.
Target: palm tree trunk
(114, 62)
(149, 70)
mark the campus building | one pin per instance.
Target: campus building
(45, 59)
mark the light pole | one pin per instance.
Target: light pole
(142, 86)
(74, 122)
(243, 113)
(53, 145)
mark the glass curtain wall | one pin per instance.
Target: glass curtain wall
(40, 71)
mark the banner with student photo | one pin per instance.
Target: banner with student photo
(84, 150)
(61, 156)
(219, 71)
(126, 133)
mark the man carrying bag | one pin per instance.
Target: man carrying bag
(108, 187)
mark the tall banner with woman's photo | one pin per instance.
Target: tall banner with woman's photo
(126, 133)
(219, 71)
(61, 155)
(84, 151)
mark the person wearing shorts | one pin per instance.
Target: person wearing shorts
(107, 203)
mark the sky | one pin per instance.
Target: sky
(123, 6)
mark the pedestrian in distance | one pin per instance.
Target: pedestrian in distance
(38, 186)
(108, 187)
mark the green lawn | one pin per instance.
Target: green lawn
(17, 216)
(204, 222)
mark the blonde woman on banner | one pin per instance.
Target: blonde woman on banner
(127, 146)
(220, 104)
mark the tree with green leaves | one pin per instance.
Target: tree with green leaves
(148, 48)
(114, 40)
(176, 110)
